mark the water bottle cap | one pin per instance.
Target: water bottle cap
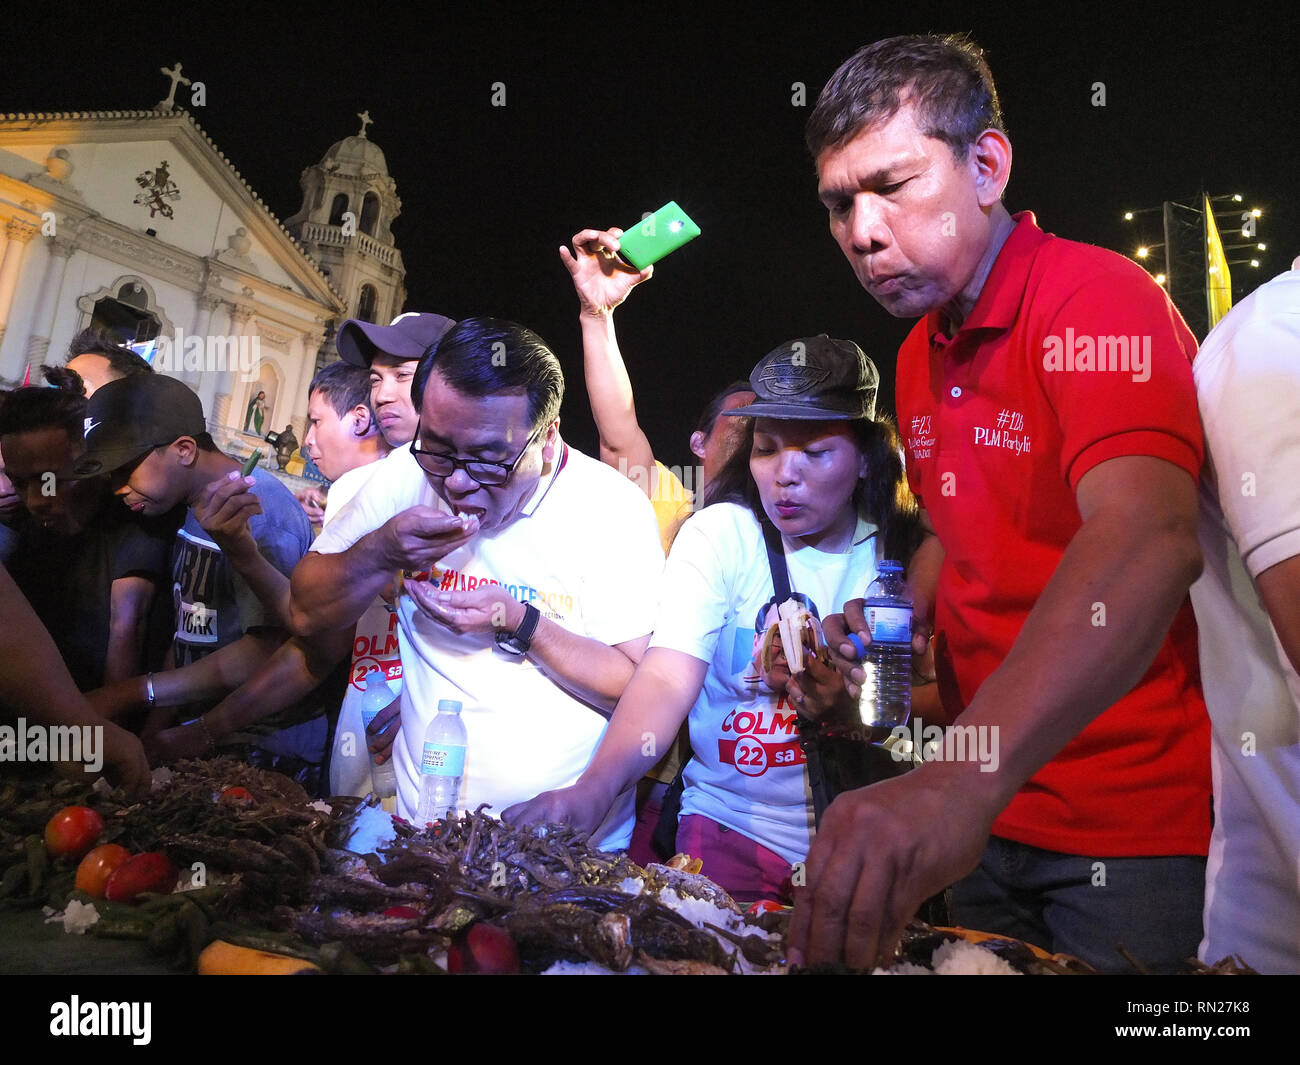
(450, 705)
(889, 566)
(374, 677)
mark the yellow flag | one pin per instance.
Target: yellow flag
(1218, 282)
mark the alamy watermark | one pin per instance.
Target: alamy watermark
(77, 1018)
(955, 743)
(678, 487)
(180, 353)
(53, 743)
(1087, 353)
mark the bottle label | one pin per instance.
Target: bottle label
(889, 624)
(442, 761)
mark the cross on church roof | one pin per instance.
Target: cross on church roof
(175, 74)
(366, 120)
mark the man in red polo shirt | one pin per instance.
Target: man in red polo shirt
(1049, 417)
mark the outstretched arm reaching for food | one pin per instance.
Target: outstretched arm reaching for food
(656, 702)
(35, 683)
(883, 849)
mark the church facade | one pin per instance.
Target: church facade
(135, 224)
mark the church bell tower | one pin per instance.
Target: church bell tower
(349, 202)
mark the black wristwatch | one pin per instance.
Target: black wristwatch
(518, 642)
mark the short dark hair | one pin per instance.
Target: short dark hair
(63, 405)
(951, 82)
(713, 408)
(343, 385)
(122, 361)
(484, 356)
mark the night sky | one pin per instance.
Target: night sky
(610, 115)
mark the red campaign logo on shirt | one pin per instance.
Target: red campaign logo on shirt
(376, 650)
(390, 668)
(753, 755)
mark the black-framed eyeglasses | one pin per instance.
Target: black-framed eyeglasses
(487, 474)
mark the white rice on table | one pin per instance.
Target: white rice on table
(955, 958)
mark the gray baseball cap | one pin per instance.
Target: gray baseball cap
(813, 378)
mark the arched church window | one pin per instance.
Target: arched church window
(337, 208)
(369, 213)
(133, 293)
(125, 318)
(366, 303)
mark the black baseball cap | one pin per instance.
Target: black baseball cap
(814, 378)
(127, 418)
(408, 336)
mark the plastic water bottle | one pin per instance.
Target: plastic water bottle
(886, 699)
(442, 763)
(377, 696)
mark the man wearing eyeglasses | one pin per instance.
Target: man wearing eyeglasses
(529, 572)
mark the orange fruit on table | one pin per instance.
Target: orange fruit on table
(97, 866)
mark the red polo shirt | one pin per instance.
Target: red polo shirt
(999, 424)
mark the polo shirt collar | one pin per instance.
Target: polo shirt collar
(1003, 293)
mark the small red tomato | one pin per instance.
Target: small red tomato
(72, 831)
(236, 796)
(152, 872)
(97, 866)
(484, 949)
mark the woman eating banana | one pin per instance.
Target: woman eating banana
(814, 500)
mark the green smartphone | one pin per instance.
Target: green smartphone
(656, 235)
(250, 462)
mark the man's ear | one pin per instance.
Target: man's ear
(697, 444)
(186, 450)
(551, 442)
(991, 157)
(362, 421)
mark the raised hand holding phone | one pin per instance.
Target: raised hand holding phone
(601, 279)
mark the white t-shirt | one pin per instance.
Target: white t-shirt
(375, 645)
(341, 491)
(1248, 388)
(747, 772)
(584, 551)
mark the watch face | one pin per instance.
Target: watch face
(507, 642)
